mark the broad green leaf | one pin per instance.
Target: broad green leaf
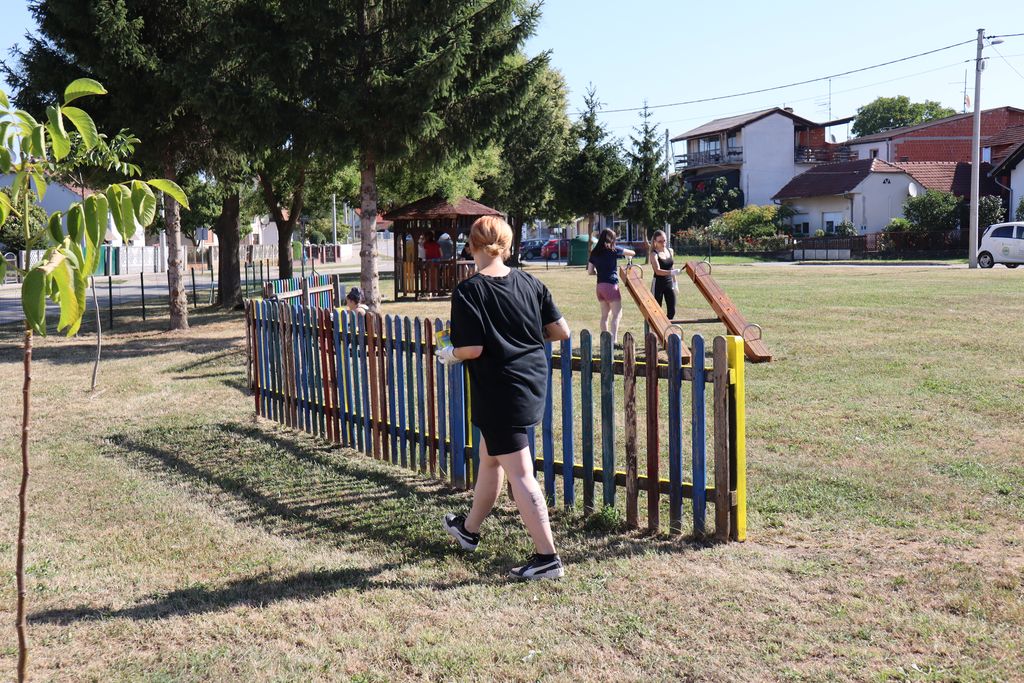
(40, 184)
(26, 119)
(84, 125)
(4, 126)
(5, 160)
(76, 223)
(59, 140)
(81, 286)
(37, 145)
(55, 229)
(4, 102)
(95, 229)
(144, 202)
(82, 87)
(70, 312)
(18, 184)
(114, 193)
(171, 188)
(5, 208)
(130, 225)
(33, 300)
(3, 270)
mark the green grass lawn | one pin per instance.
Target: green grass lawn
(173, 538)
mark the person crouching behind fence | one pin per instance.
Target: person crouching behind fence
(354, 301)
(500, 320)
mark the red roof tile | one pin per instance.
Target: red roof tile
(949, 176)
(833, 179)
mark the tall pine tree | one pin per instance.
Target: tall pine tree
(594, 178)
(650, 198)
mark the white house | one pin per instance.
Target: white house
(1011, 168)
(868, 192)
(757, 152)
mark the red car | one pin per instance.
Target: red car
(555, 248)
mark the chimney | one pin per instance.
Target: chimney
(789, 109)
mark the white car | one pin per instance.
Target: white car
(1002, 243)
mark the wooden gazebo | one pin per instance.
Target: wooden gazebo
(418, 277)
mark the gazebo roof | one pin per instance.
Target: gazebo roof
(432, 208)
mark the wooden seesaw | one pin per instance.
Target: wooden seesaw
(754, 347)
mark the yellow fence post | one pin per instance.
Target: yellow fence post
(738, 433)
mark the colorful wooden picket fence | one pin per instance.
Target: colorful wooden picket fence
(323, 291)
(371, 383)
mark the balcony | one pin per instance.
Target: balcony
(823, 155)
(732, 155)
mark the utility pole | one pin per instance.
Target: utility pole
(979, 66)
(334, 220)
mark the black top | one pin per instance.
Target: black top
(506, 315)
(604, 263)
(664, 264)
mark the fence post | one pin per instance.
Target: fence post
(738, 439)
(607, 420)
(110, 302)
(675, 434)
(212, 288)
(336, 293)
(722, 419)
(195, 300)
(547, 438)
(568, 481)
(698, 436)
(629, 399)
(653, 455)
(587, 411)
(142, 282)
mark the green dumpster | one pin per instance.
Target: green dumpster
(579, 250)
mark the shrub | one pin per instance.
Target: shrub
(846, 229)
(990, 210)
(819, 233)
(1020, 210)
(751, 221)
(933, 210)
(899, 225)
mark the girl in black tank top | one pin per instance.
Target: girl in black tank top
(664, 281)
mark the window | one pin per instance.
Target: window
(731, 142)
(1006, 232)
(831, 219)
(711, 145)
(801, 224)
(1020, 233)
(874, 154)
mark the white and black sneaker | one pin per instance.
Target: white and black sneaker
(456, 526)
(540, 567)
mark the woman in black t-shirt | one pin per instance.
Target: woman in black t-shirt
(501, 318)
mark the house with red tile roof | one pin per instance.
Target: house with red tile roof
(870, 192)
(945, 139)
(1009, 172)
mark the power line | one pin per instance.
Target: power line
(787, 85)
(1008, 62)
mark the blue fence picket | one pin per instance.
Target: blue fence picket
(421, 402)
(296, 341)
(408, 354)
(364, 384)
(341, 376)
(547, 440)
(391, 422)
(440, 386)
(457, 426)
(607, 420)
(319, 400)
(260, 346)
(697, 433)
(568, 480)
(675, 434)
(275, 404)
(398, 346)
(587, 418)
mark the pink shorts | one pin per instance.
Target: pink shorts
(608, 292)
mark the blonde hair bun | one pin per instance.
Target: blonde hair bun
(492, 235)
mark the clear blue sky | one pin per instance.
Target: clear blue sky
(665, 51)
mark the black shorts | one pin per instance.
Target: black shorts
(505, 440)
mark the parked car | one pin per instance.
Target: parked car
(531, 248)
(1002, 243)
(555, 248)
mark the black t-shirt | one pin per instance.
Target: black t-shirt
(506, 315)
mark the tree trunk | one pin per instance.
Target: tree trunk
(229, 287)
(175, 268)
(26, 413)
(285, 226)
(517, 238)
(369, 278)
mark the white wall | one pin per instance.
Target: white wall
(814, 207)
(864, 149)
(1016, 189)
(876, 201)
(768, 163)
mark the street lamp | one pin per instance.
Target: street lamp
(979, 66)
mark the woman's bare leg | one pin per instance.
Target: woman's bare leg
(529, 499)
(605, 310)
(486, 491)
(616, 310)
